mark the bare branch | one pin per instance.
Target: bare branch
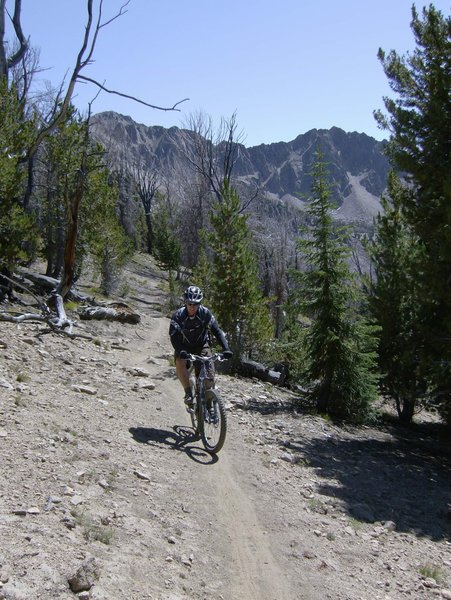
(23, 317)
(88, 59)
(84, 58)
(79, 65)
(214, 157)
(44, 308)
(119, 14)
(58, 322)
(102, 87)
(17, 57)
(246, 203)
(3, 61)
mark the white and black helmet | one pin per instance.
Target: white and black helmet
(193, 295)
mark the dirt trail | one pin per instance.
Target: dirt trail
(97, 461)
(239, 538)
(256, 572)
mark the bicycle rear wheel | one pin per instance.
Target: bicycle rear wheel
(213, 425)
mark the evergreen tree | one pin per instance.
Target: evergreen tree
(394, 302)
(18, 235)
(167, 249)
(67, 154)
(341, 357)
(203, 271)
(235, 296)
(102, 232)
(419, 121)
(289, 351)
(59, 164)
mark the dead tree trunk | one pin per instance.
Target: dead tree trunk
(8, 62)
(67, 278)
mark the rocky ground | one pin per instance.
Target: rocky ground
(105, 495)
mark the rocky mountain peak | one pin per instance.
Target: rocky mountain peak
(281, 171)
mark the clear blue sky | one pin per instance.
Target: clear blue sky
(284, 66)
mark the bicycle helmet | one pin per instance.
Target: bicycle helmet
(193, 295)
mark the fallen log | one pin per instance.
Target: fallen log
(48, 285)
(44, 283)
(250, 368)
(115, 311)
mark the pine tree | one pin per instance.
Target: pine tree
(66, 153)
(101, 231)
(235, 296)
(419, 121)
(60, 160)
(394, 302)
(167, 249)
(341, 357)
(203, 273)
(18, 235)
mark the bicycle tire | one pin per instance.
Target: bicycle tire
(213, 433)
(196, 418)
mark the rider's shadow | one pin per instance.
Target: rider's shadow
(181, 438)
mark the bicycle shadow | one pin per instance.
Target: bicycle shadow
(182, 438)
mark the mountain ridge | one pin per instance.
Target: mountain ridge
(281, 171)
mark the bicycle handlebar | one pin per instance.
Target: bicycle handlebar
(196, 357)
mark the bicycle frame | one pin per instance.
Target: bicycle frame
(208, 415)
(198, 382)
(203, 376)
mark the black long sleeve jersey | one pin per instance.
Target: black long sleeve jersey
(191, 333)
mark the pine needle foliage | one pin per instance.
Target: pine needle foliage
(233, 282)
(18, 234)
(106, 240)
(419, 121)
(340, 343)
(60, 160)
(99, 232)
(394, 302)
(167, 249)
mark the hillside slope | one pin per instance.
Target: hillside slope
(98, 469)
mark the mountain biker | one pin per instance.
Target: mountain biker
(189, 333)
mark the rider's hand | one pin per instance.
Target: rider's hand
(227, 354)
(183, 354)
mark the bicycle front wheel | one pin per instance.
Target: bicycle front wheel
(196, 417)
(213, 425)
(194, 414)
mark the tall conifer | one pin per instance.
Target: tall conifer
(235, 294)
(340, 343)
(395, 302)
(167, 249)
(419, 121)
(17, 229)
